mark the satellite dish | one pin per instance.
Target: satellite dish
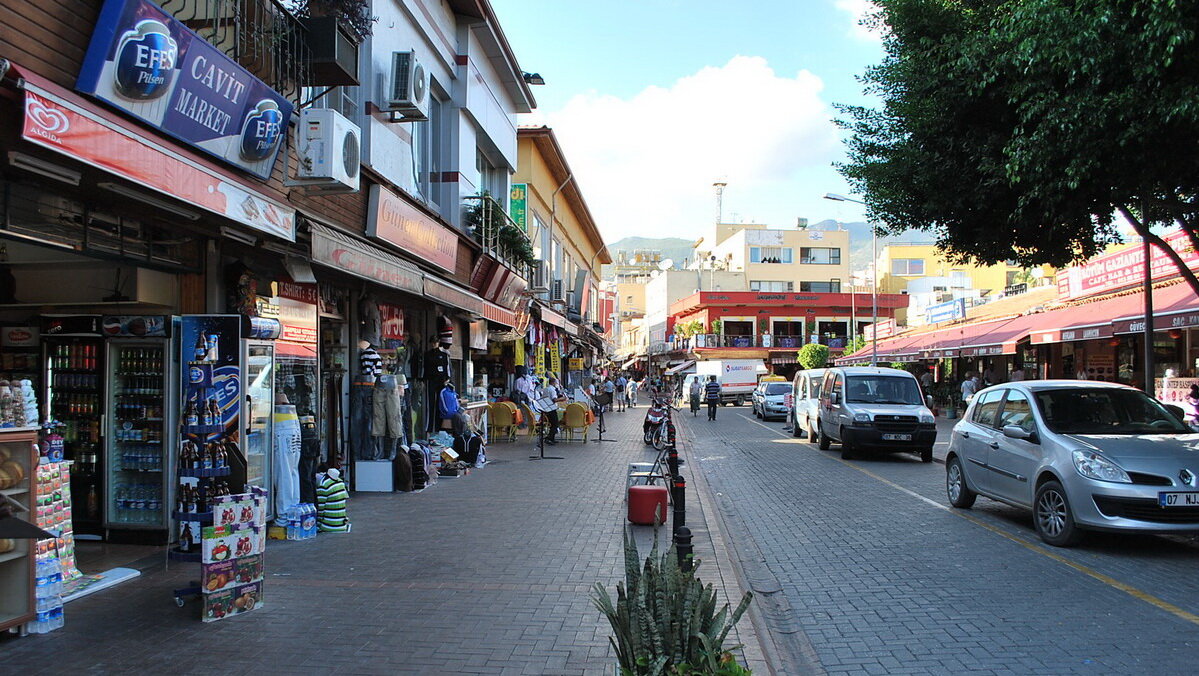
(666, 264)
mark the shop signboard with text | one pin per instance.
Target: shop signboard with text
(946, 312)
(391, 321)
(392, 219)
(1125, 268)
(146, 63)
(518, 205)
(298, 312)
(71, 129)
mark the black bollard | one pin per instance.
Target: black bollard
(682, 545)
(679, 495)
(672, 461)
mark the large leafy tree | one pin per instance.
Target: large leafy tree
(1017, 129)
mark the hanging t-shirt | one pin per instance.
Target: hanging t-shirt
(437, 366)
(370, 364)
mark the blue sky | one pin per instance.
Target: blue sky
(653, 100)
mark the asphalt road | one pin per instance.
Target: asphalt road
(862, 567)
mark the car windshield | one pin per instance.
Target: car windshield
(1105, 411)
(778, 388)
(882, 390)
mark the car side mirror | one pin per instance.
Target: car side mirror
(1017, 432)
(1177, 411)
(834, 398)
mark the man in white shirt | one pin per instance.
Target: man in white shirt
(524, 387)
(545, 402)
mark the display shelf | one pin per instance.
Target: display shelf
(15, 554)
(205, 473)
(198, 517)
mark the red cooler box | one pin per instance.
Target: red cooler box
(643, 501)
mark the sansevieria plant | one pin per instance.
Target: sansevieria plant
(665, 620)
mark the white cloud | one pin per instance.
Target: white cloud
(859, 9)
(646, 164)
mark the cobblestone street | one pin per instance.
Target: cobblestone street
(873, 573)
(489, 573)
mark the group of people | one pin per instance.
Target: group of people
(543, 394)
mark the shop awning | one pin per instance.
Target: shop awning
(784, 359)
(344, 252)
(65, 123)
(630, 363)
(553, 318)
(1082, 322)
(1174, 307)
(453, 295)
(685, 366)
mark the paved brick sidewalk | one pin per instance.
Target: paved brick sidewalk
(488, 573)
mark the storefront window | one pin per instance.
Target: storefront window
(296, 380)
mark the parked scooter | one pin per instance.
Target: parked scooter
(658, 428)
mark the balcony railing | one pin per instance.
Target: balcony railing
(710, 340)
(499, 235)
(261, 35)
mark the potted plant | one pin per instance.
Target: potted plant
(665, 620)
(813, 356)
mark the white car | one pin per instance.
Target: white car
(805, 392)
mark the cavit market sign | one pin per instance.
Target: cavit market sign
(151, 66)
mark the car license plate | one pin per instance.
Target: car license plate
(1178, 499)
(897, 437)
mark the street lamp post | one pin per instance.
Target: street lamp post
(873, 278)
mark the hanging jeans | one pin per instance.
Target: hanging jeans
(385, 418)
(362, 406)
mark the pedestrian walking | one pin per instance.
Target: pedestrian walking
(712, 395)
(969, 388)
(696, 392)
(621, 398)
(632, 393)
(609, 388)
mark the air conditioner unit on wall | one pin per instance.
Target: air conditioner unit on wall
(408, 93)
(556, 291)
(329, 151)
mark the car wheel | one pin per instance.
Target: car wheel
(795, 428)
(847, 449)
(812, 436)
(926, 454)
(959, 492)
(822, 440)
(1053, 517)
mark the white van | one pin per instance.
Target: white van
(805, 392)
(868, 408)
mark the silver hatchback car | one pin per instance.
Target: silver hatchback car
(1082, 455)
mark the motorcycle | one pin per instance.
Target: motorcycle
(658, 428)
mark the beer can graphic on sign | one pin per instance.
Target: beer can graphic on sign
(145, 61)
(214, 347)
(262, 130)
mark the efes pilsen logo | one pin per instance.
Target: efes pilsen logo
(262, 130)
(145, 61)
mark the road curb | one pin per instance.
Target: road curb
(770, 613)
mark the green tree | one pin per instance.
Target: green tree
(1016, 129)
(813, 356)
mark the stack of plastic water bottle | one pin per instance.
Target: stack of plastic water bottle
(49, 596)
(301, 521)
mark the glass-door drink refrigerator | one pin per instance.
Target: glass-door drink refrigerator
(73, 358)
(139, 418)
